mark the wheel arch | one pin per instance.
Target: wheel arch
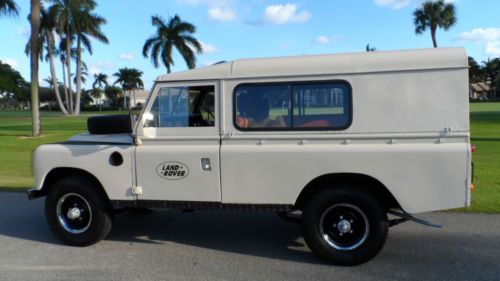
(60, 173)
(362, 182)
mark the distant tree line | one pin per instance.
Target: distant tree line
(487, 72)
(15, 92)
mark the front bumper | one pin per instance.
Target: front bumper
(33, 194)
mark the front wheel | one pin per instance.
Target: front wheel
(345, 225)
(77, 212)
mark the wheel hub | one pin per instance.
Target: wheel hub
(344, 226)
(74, 213)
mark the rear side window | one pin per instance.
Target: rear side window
(293, 106)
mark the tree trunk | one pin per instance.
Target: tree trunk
(124, 100)
(433, 34)
(35, 28)
(50, 43)
(65, 84)
(68, 62)
(78, 75)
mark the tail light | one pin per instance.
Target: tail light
(472, 148)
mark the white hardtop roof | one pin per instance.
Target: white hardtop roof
(348, 63)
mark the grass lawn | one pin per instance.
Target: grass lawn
(16, 147)
(485, 135)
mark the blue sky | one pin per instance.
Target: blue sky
(231, 29)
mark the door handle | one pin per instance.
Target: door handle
(205, 164)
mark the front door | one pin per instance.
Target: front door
(178, 158)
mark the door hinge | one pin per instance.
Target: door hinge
(137, 190)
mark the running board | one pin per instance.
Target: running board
(405, 216)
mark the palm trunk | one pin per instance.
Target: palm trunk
(78, 75)
(100, 100)
(124, 100)
(433, 34)
(65, 84)
(50, 44)
(35, 27)
(68, 62)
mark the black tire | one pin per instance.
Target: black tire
(344, 225)
(109, 124)
(84, 215)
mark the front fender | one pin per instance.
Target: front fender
(116, 180)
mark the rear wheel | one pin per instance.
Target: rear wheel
(345, 225)
(77, 212)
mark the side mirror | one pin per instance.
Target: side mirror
(149, 120)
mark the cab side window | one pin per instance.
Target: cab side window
(190, 106)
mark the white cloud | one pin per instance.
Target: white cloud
(208, 48)
(493, 49)
(490, 37)
(481, 35)
(105, 64)
(393, 4)
(221, 14)
(12, 62)
(287, 13)
(126, 56)
(325, 39)
(94, 70)
(100, 66)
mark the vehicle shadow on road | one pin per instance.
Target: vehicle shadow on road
(255, 234)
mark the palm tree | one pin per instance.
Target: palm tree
(433, 15)
(113, 93)
(88, 26)
(95, 94)
(100, 80)
(66, 72)
(84, 74)
(47, 42)
(169, 35)
(491, 69)
(369, 48)
(476, 73)
(35, 29)
(8, 7)
(77, 21)
(130, 80)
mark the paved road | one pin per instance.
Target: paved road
(168, 245)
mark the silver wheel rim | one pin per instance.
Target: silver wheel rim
(347, 227)
(74, 213)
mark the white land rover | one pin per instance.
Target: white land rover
(339, 141)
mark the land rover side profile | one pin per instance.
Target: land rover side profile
(347, 144)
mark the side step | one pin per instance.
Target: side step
(403, 216)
